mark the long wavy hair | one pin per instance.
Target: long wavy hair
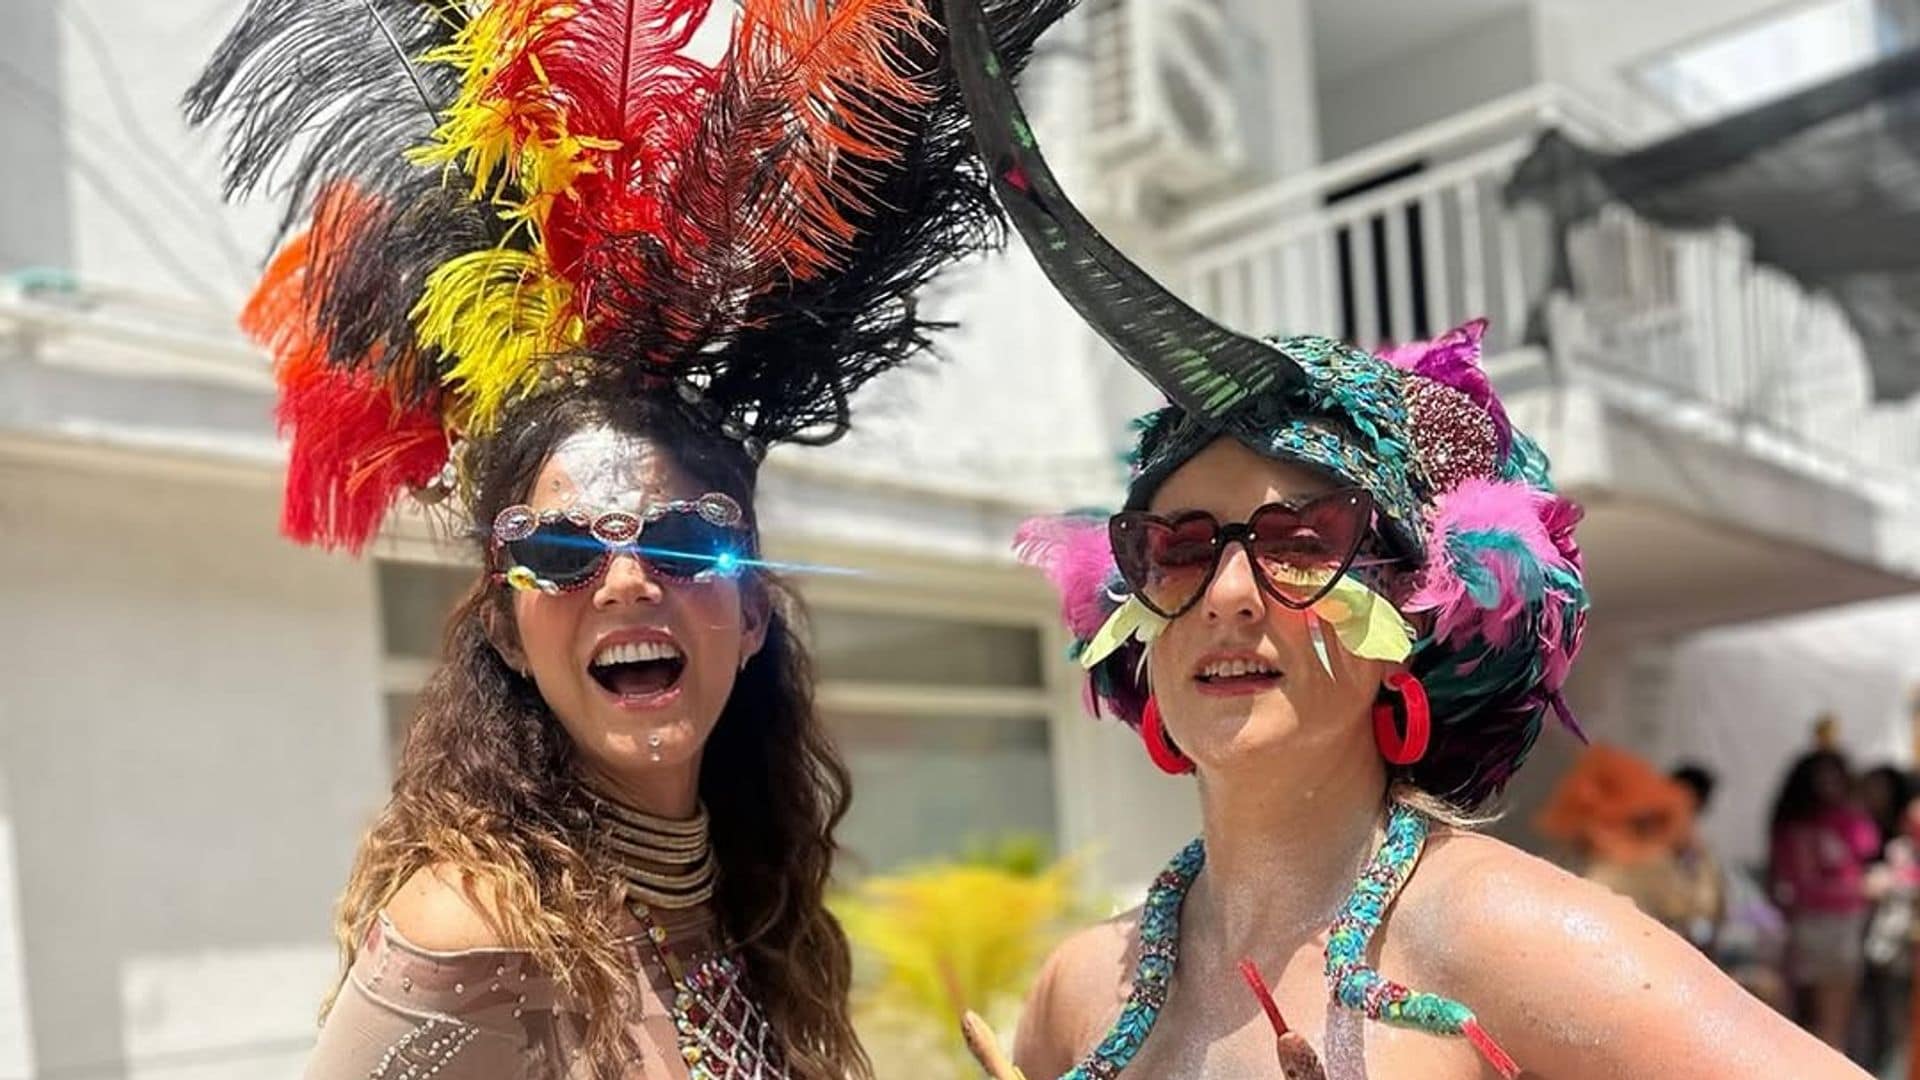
(486, 785)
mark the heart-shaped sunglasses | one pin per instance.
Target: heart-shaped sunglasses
(1298, 549)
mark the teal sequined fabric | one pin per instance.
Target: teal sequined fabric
(1351, 982)
(1350, 419)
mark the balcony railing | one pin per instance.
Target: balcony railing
(1690, 315)
(1430, 243)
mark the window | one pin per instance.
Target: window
(923, 650)
(944, 725)
(927, 785)
(415, 599)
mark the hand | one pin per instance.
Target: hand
(986, 1049)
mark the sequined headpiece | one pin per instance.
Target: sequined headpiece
(1489, 579)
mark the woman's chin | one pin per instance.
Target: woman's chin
(1231, 742)
(664, 740)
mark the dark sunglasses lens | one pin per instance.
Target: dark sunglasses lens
(1166, 563)
(1303, 550)
(561, 552)
(685, 546)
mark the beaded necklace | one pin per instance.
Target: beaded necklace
(668, 865)
(1352, 983)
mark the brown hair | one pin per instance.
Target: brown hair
(485, 785)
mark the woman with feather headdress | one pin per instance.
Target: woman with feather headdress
(546, 267)
(1343, 594)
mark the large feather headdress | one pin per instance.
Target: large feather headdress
(490, 198)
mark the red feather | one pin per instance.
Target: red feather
(355, 451)
(692, 189)
(814, 101)
(610, 71)
(810, 103)
(355, 448)
(837, 70)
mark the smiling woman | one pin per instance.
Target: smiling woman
(1344, 596)
(570, 280)
(668, 716)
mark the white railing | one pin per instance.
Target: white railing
(1691, 314)
(1399, 260)
(1685, 314)
(1404, 260)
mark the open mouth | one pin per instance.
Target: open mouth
(1241, 673)
(638, 669)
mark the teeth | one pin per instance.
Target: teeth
(1233, 669)
(636, 652)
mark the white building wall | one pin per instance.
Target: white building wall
(16, 1035)
(34, 214)
(1471, 65)
(144, 191)
(1274, 64)
(192, 746)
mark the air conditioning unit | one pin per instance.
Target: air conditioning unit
(1164, 115)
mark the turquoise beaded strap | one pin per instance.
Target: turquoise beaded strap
(1159, 946)
(1352, 983)
(1356, 985)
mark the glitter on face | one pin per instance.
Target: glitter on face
(608, 470)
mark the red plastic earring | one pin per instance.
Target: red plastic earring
(1408, 747)
(1165, 756)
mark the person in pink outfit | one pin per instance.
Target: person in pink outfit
(1822, 846)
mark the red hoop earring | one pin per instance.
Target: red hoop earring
(1397, 748)
(1160, 749)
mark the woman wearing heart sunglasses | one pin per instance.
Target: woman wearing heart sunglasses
(1342, 596)
(571, 282)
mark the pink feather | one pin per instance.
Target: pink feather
(1510, 510)
(1074, 554)
(1561, 643)
(1558, 647)
(1560, 518)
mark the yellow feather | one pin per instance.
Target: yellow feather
(497, 313)
(525, 142)
(546, 171)
(1132, 619)
(477, 133)
(1366, 623)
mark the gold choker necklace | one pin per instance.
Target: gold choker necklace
(665, 864)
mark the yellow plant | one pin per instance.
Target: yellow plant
(944, 938)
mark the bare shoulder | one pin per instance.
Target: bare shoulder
(1075, 995)
(1556, 967)
(444, 909)
(1494, 900)
(1456, 858)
